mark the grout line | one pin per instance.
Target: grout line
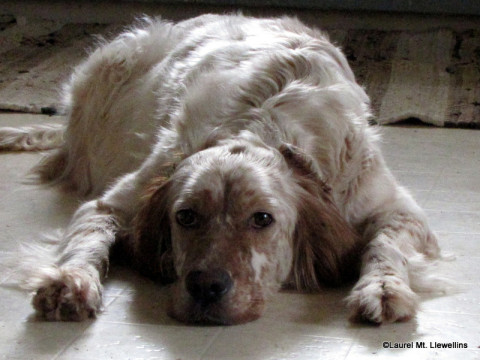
(88, 323)
(139, 324)
(210, 343)
(349, 350)
(426, 208)
(431, 190)
(74, 338)
(450, 313)
(442, 232)
(453, 211)
(455, 232)
(354, 340)
(114, 298)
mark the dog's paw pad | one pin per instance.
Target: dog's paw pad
(381, 300)
(75, 296)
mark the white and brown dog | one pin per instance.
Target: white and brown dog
(229, 156)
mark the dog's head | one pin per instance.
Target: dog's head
(234, 223)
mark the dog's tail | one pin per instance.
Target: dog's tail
(35, 138)
(31, 138)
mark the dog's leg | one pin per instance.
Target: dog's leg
(383, 293)
(71, 288)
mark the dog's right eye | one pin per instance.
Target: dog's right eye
(186, 218)
(261, 220)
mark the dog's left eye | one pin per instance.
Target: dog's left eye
(261, 220)
(186, 218)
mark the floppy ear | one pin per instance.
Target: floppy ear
(152, 247)
(324, 243)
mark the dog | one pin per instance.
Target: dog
(229, 157)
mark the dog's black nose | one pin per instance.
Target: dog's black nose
(207, 287)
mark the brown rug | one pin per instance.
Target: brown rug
(432, 76)
(37, 58)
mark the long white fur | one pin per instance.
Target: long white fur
(159, 90)
(38, 137)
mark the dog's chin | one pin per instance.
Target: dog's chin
(196, 314)
(185, 310)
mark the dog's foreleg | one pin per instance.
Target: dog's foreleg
(71, 289)
(383, 293)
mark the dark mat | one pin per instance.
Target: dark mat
(433, 76)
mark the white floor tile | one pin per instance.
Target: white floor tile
(432, 162)
(36, 340)
(454, 221)
(283, 340)
(466, 181)
(460, 245)
(466, 301)
(417, 180)
(452, 200)
(104, 340)
(433, 329)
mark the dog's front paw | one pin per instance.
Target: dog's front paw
(68, 294)
(382, 299)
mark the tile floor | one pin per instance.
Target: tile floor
(440, 166)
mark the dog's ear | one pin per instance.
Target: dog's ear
(152, 246)
(324, 243)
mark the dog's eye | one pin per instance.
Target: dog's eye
(186, 218)
(261, 220)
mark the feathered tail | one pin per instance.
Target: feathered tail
(31, 138)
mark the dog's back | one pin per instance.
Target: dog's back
(159, 80)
